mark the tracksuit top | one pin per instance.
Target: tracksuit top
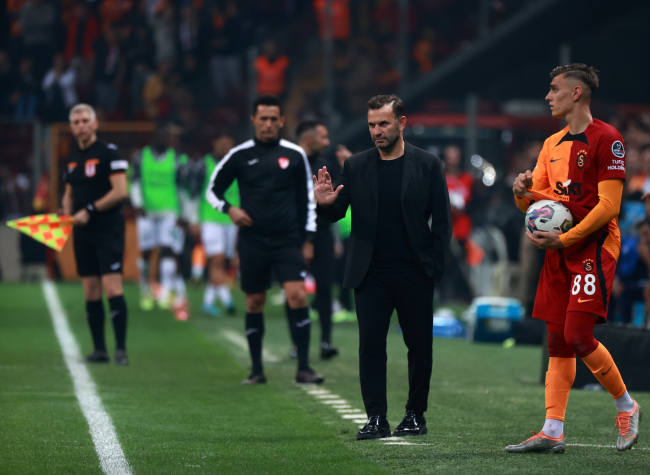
(275, 187)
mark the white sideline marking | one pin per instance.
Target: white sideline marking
(346, 411)
(332, 401)
(318, 391)
(343, 406)
(241, 341)
(109, 450)
(403, 443)
(328, 396)
(355, 416)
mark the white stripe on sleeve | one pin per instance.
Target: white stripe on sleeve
(214, 201)
(119, 165)
(311, 203)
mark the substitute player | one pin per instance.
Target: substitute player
(276, 222)
(218, 233)
(95, 186)
(157, 198)
(583, 167)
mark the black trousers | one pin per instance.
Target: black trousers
(411, 294)
(322, 267)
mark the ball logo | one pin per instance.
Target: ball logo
(91, 167)
(617, 149)
(589, 265)
(283, 162)
(581, 160)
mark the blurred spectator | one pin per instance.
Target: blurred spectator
(196, 82)
(221, 37)
(15, 43)
(635, 174)
(631, 283)
(7, 85)
(164, 31)
(38, 22)
(113, 11)
(157, 90)
(188, 31)
(139, 77)
(340, 15)
(427, 50)
(460, 185)
(60, 94)
(271, 70)
(26, 94)
(109, 71)
(83, 32)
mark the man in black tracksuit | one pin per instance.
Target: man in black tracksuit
(277, 221)
(313, 138)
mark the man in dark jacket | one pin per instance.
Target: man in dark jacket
(401, 228)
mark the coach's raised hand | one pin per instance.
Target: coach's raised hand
(522, 183)
(324, 193)
(240, 217)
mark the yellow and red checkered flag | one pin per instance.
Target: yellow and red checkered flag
(50, 229)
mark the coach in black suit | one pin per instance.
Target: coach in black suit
(401, 228)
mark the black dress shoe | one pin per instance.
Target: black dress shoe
(258, 378)
(377, 427)
(412, 424)
(97, 357)
(309, 376)
(327, 351)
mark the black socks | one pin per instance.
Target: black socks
(119, 318)
(301, 329)
(95, 316)
(255, 333)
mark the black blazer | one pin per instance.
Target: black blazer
(425, 204)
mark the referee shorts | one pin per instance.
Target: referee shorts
(99, 246)
(259, 257)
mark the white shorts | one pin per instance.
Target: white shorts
(219, 239)
(160, 230)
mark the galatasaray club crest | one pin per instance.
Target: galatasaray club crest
(582, 159)
(284, 162)
(91, 167)
(589, 265)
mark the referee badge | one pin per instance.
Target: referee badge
(91, 167)
(283, 162)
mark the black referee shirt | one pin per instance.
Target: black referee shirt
(88, 172)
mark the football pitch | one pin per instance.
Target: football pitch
(179, 407)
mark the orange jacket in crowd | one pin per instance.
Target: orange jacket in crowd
(340, 18)
(271, 76)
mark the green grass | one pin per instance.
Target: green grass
(179, 407)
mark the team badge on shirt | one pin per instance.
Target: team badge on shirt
(91, 167)
(618, 150)
(582, 159)
(589, 265)
(283, 162)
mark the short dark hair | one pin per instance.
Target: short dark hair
(586, 74)
(266, 100)
(307, 126)
(380, 101)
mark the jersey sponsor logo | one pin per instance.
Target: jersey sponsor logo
(617, 165)
(581, 160)
(589, 265)
(72, 166)
(555, 160)
(91, 167)
(618, 150)
(253, 161)
(119, 165)
(283, 162)
(568, 189)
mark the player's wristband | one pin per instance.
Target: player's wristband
(91, 209)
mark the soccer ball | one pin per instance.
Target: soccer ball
(549, 216)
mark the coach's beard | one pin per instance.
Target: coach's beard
(390, 144)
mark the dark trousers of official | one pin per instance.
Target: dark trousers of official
(323, 267)
(411, 294)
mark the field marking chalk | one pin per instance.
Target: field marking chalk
(318, 391)
(241, 341)
(110, 453)
(328, 396)
(604, 446)
(333, 401)
(352, 416)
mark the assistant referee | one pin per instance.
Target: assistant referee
(95, 186)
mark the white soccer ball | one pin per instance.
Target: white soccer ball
(549, 216)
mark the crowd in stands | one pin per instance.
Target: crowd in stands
(187, 60)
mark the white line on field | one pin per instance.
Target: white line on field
(346, 411)
(241, 341)
(604, 446)
(102, 431)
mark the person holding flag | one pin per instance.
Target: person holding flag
(95, 186)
